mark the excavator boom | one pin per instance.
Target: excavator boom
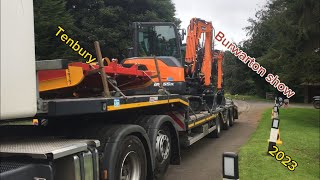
(196, 30)
(218, 56)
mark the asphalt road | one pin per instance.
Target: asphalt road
(203, 160)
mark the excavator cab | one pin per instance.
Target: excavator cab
(156, 39)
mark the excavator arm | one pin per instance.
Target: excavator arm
(218, 56)
(196, 30)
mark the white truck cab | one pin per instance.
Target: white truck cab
(18, 73)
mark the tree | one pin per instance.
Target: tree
(89, 20)
(48, 15)
(109, 21)
(285, 38)
(237, 77)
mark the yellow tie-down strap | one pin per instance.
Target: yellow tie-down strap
(145, 104)
(202, 120)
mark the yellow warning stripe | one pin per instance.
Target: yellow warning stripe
(203, 120)
(144, 104)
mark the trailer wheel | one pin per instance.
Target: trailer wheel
(132, 161)
(217, 131)
(163, 151)
(226, 124)
(316, 104)
(231, 118)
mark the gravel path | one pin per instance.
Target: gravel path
(203, 160)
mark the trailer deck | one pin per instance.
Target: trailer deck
(78, 106)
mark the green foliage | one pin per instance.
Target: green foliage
(235, 75)
(284, 38)
(48, 15)
(89, 20)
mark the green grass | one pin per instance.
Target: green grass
(246, 97)
(299, 130)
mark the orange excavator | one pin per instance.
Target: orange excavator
(157, 61)
(163, 41)
(196, 60)
(188, 73)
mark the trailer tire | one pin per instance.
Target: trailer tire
(231, 118)
(226, 124)
(131, 161)
(163, 151)
(316, 104)
(216, 133)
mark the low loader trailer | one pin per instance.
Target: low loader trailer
(97, 122)
(136, 137)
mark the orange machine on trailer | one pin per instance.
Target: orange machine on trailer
(196, 29)
(191, 75)
(161, 42)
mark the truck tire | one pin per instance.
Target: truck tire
(163, 151)
(217, 131)
(153, 124)
(131, 162)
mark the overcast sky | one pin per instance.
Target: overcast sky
(228, 16)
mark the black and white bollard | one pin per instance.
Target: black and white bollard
(230, 165)
(273, 133)
(275, 111)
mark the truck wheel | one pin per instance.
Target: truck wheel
(217, 131)
(132, 161)
(163, 151)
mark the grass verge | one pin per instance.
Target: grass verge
(299, 130)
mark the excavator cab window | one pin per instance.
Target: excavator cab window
(156, 39)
